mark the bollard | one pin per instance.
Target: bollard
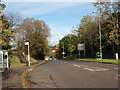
(116, 56)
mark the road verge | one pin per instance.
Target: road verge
(106, 61)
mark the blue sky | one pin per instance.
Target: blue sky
(59, 16)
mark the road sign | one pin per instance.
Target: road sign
(81, 46)
(63, 52)
(26, 43)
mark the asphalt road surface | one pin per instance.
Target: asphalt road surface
(74, 74)
(0, 80)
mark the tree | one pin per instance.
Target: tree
(110, 14)
(57, 51)
(70, 43)
(71, 48)
(13, 19)
(88, 34)
(35, 32)
(4, 29)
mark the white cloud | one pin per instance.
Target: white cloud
(51, 0)
(64, 30)
(54, 40)
(54, 34)
(59, 33)
(59, 0)
(46, 8)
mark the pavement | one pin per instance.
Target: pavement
(74, 74)
(11, 78)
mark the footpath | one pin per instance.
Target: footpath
(12, 78)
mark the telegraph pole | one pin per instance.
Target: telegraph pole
(100, 39)
(100, 34)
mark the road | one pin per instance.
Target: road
(0, 80)
(74, 74)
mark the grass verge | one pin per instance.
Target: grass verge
(112, 61)
(32, 60)
(14, 61)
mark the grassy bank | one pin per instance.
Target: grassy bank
(112, 61)
(14, 61)
(32, 60)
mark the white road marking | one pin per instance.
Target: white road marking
(76, 65)
(90, 69)
(93, 69)
(117, 76)
(103, 69)
(96, 69)
(116, 68)
(84, 66)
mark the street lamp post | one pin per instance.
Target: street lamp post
(100, 39)
(100, 36)
(27, 43)
(63, 50)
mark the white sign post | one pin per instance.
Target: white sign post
(7, 62)
(116, 56)
(63, 50)
(80, 48)
(63, 54)
(27, 43)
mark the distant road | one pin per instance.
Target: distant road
(74, 74)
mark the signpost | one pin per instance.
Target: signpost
(6, 59)
(80, 48)
(63, 54)
(63, 50)
(27, 43)
(116, 54)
